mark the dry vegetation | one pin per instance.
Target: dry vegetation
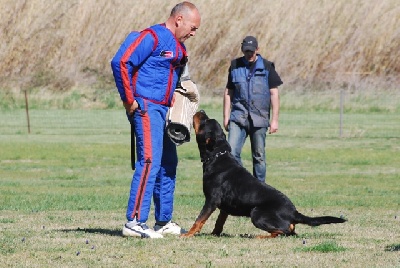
(320, 43)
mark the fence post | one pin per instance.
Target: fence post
(341, 113)
(27, 111)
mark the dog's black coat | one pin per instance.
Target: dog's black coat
(231, 188)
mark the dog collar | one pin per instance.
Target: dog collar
(215, 156)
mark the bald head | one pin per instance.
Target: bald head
(183, 8)
(184, 20)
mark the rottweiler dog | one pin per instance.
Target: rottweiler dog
(234, 191)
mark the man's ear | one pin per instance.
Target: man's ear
(178, 20)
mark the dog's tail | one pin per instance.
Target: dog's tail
(316, 221)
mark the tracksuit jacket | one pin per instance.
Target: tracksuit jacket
(146, 68)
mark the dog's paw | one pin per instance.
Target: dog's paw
(186, 235)
(218, 234)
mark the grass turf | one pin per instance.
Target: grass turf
(64, 189)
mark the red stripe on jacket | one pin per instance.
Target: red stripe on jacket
(129, 92)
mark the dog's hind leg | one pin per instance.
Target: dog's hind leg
(275, 233)
(270, 223)
(219, 224)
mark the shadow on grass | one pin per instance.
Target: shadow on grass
(95, 231)
(224, 235)
(209, 235)
(394, 247)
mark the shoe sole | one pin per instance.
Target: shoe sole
(169, 232)
(132, 233)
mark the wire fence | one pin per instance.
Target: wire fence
(307, 115)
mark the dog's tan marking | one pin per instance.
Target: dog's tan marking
(291, 228)
(271, 235)
(196, 123)
(198, 224)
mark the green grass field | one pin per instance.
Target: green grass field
(64, 188)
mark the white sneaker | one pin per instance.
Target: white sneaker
(169, 228)
(139, 230)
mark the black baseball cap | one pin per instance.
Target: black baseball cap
(249, 43)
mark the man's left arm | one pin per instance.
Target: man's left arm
(274, 81)
(274, 124)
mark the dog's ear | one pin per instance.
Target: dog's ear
(218, 133)
(214, 134)
(209, 132)
(210, 142)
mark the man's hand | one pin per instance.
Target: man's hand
(226, 124)
(273, 127)
(131, 108)
(192, 96)
(189, 90)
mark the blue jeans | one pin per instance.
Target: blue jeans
(237, 137)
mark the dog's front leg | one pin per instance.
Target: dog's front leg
(219, 224)
(201, 220)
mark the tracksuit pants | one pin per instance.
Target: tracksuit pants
(155, 167)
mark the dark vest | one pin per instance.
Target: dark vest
(251, 97)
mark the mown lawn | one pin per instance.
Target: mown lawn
(64, 188)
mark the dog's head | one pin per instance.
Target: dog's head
(210, 137)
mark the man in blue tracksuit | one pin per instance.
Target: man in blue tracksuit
(146, 69)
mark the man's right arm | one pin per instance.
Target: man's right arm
(228, 93)
(227, 107)
(132, 52)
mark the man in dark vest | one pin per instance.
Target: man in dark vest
(250, 94)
